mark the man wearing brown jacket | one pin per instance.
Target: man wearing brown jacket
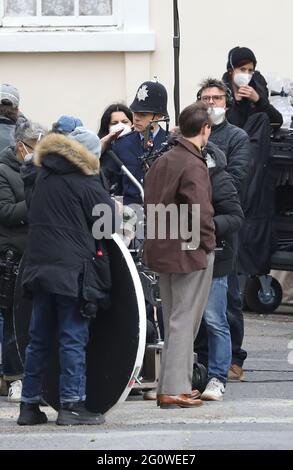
(179, 182)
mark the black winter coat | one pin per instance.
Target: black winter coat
(228, 216)
(256, 238)
(7, 131)
(235, 144)
(61, 248)
(241, 110)
(13, 211)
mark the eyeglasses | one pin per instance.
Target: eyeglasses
(27, 145)
(214, 98)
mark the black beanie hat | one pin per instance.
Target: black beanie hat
(237, 54)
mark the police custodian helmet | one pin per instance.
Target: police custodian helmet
(151, 97)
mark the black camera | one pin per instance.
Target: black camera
(8, 275)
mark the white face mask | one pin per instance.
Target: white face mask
(242, 79)
(120, 125)
(28, 158)
(217, 115)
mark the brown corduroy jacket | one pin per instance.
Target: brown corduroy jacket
(180, 176)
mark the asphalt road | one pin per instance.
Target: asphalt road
(255, 414)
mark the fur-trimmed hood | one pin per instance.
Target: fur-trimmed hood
(71, 150)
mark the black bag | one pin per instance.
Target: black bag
(96, 283)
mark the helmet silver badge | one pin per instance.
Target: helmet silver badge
(142, 93)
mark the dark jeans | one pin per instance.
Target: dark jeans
(219, 340)
(53, 312)
(213, 341)
(236, 324)
(235, 319)
(12, 365)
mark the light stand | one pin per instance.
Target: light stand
(176, 46)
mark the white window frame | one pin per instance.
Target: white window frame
(132, 34)
(67, 21)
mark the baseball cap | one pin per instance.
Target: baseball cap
(67, 124)
(87, 138)
(9, 95)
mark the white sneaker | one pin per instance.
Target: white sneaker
(14, 392)
(215, 390)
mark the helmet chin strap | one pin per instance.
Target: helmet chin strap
(153, 122)
(147, 136)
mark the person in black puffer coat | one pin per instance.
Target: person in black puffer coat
(232, 140)
(10, 116)
(252, 111)
(249, 89)
(13, 235)
(235, 143)
(59, 269)
(228, 219)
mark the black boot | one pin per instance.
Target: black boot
(31, 414)
(76, 413)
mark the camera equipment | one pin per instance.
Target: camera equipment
(8, 274)
(176, 47)
(127, 173)
(148, 139)
(199, 377)
(148, 159)
(150, 284)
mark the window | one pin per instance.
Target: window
(75, 26)
(60, 13)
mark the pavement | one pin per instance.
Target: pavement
(255, 414)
